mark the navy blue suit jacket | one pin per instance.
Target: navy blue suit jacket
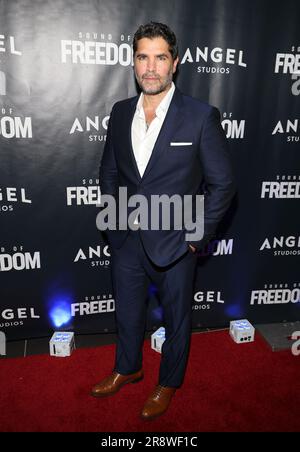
(201, 168)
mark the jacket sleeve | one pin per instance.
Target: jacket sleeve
(108, 172)
(219, 185)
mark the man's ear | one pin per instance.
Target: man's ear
(175, 62)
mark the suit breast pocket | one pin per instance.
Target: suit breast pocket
(181, 146)
(181, 143)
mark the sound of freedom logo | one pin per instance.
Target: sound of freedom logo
(276, 294)
(87, 194)
(286, 187)
(234, 128)
(19, 260)
(94, 304)
(97, 49)
(217, 248)
(15, 126)
(289, 63)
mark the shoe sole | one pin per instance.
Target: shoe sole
(151, 418)
(107, 394)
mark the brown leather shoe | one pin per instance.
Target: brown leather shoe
(111, 384)
(158, 402)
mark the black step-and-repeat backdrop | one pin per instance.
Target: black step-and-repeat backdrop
(63, 64)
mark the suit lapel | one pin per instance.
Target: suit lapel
(133, 105)
(172, 120)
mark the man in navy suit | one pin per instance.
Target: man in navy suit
(160, 143)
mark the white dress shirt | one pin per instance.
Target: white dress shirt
(143, 137)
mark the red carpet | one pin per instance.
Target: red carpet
(228, 387)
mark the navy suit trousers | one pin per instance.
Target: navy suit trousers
(132, 273)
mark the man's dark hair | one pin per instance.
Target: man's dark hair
(156, 30)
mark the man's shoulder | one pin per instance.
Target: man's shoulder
(197, 108)
(124, 103)
(194, 103)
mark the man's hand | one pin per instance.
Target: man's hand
(193, 248)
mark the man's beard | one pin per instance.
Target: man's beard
(158, 88)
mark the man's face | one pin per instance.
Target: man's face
(153, 65)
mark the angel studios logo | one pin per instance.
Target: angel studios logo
(281, 245)
(94, 127)
(95, 256)
(288, 130)
(205, 300)
(213, 60)
(14, 317)
(11, 197)
(8, 47)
